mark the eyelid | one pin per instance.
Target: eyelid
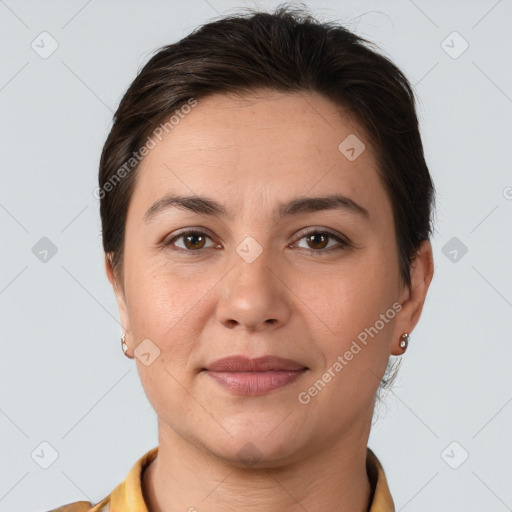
(343, 241)
(319, 229)
(169, 241)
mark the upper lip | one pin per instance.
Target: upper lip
(260, 364)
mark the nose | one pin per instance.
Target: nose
(254, 296)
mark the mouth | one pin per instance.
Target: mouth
(253, 377)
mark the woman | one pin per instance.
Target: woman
(266, 213)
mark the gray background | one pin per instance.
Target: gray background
(64, 379)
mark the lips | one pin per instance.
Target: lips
(252, 377)
(260, 364)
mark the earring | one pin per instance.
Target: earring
(124, 346)
(404, 341)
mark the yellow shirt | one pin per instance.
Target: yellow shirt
(127, 496)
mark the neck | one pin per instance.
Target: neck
(184, 477)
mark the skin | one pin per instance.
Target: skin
(251, 154)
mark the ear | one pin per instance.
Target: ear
(120, 295)
(413, 297)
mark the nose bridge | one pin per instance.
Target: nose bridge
(252, 295)
(252, 263)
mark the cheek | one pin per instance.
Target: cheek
(165, 310)
(157, 299)
(159, 306)
(349, 303)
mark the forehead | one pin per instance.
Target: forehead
(261, 146)
(260, 122)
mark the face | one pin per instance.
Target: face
(257, 273)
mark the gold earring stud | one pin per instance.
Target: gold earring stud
(124, 346)
(404, 341)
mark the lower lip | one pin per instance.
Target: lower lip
(255, 383)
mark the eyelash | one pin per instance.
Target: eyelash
(344, 243)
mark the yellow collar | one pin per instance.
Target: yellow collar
(128, 497)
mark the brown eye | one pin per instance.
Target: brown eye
(317, 240)
(192, 241)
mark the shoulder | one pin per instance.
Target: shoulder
(77, 506)
(127, 492)
(83, 506)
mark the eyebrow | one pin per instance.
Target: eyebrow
(207, 206)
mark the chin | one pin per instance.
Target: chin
(258, 441)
